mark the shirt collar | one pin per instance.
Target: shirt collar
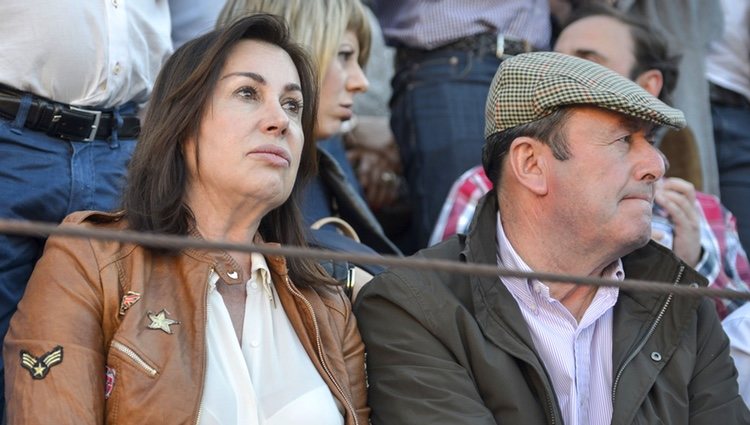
(259, 272)
(262, 274)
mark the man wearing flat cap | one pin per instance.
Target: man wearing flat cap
(568, 147)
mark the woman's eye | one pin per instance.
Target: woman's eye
(293, 105)
(247, 92)
(345, 55)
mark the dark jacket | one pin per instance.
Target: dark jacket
(76, 300)
(333, 193)
(455, 349)
(342, 199)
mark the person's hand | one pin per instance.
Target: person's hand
(372, 151)
(677, 198)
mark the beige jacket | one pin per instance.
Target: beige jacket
(92, 298)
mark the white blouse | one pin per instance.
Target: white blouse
(269, 379)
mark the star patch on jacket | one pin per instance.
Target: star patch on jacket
(39, 367)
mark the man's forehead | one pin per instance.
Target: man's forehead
(596, 37)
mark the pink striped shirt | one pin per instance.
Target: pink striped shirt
(577, 356)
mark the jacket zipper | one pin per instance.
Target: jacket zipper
(133, 356)
(650, 332)
(205, 347)
(320, 349)
(551, 409)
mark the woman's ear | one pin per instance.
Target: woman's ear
(528, 164)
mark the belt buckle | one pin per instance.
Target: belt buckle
(501, 44)
(95, 126)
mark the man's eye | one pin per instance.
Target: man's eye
(626, 139)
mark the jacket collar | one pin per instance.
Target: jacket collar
(496, 309)
(351, 206)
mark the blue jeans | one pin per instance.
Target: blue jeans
(44, 179)
(437, 116)
(732, 136)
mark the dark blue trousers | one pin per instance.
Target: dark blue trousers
(437, 116)
(732, 136)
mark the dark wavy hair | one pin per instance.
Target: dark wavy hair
(154, 198)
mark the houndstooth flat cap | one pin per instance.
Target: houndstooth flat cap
(531, 86)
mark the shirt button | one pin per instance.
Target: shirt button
(538, 288)
(115, 3)
(254, 285)
(117, 68)
(254, 343)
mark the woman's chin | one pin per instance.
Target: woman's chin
(325, 130)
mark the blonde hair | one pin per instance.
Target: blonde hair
(317, 24)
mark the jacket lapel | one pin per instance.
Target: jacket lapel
(635, 315)
(496, 311)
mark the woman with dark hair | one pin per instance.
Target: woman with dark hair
(112, 332)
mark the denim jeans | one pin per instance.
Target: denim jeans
(44, 178)
(437, 117)
(732, 136)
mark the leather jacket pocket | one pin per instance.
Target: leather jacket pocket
(137, 360)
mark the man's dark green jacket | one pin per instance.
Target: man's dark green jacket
(454, 349)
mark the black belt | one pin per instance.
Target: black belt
(725, 97)
(498, 45)
(65, 121)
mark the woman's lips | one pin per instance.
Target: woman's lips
(273, 154)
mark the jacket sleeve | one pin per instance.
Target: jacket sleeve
(53, 352)
(413, 377)
(737, 327)
(713, 390)
(354, 357)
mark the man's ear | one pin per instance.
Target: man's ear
(652, 81)
(528, 165)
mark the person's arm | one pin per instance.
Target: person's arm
(54, 351)
(354, 357)
(372, 151)
(413, 376)
(732, 267)
(713, 390)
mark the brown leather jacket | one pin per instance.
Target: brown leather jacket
(93, 299)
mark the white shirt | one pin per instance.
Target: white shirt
(269, 380)
(577, 356)
(96, 53)
(737, 327)
(728, 61)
